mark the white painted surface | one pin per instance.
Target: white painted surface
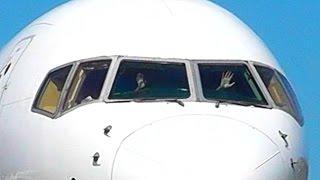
(36, 146)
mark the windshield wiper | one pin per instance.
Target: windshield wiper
(176, 101)
(138, 100)
(258, 105)
(144, 99)
(241, 103)
(218, 102)
(118, 101)
(155, 99)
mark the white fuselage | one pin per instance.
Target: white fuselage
(149, 140)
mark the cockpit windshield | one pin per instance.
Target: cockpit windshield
(150, 80)
(229, 82)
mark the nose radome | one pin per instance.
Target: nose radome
(192, 147)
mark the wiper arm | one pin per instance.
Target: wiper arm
(258, 105)
(131, 100)
(176, 101)
(155, 99)
(149, 100)
(218, 102)
(118, 101)
(144, 99)
(241, 103)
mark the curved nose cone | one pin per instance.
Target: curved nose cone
(194, 147)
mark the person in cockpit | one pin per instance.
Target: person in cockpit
(226, 80)
(141, 82)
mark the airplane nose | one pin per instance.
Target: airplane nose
(196, 147)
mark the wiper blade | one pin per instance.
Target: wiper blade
(155, 99)
(218, 102)
(118, 101)
(258, 105)
(144, 99)
(138, 100)
(176, 101)
(249, 104)
(241, 103)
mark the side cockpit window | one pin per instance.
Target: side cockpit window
(50, 92)
(281, 92)
(87, 83)
(293, 98)
(58, 94)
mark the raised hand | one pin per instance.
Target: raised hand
(141, 82)
(226, 80)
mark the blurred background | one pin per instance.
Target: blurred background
(290, 28)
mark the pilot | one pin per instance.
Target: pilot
(226, 80)
(141, 82)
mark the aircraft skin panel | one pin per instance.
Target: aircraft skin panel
(107, 139)
(80, 128)
(23, 66)
(86, 139)
(207, 153)
(232, 40)
(268, 172)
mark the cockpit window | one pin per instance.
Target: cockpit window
(150, 80)
(87, 83)
(281, 92)
(293, 98)
(50, 92)
(230, 82)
